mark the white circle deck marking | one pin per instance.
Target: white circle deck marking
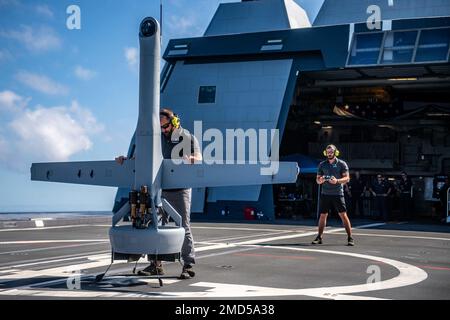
(409, 275)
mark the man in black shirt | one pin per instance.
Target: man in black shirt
(380, 189)
(332, 174)
(356, 187)
(405, 189)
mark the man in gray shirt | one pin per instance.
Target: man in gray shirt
(332, 175)
(177, 144)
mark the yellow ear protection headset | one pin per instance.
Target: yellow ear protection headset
(336, 151)
(174, 119)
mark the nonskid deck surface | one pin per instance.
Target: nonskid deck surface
(235, 261)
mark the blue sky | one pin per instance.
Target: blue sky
(68, 95)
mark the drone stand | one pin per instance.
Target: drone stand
(100, 277)
(158, 242)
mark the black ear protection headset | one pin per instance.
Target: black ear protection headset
(174, 119)
(336, 151)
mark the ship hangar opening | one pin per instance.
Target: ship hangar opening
(380, 95)
(384, 119)
(387, 110)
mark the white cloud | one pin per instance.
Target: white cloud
(83, 73)
(51, 133)
(41, 83)
(44, 10)
(35, 39)
(47, 134)
(132, 55)
(184, 26)
(85, 118)
(12, 102)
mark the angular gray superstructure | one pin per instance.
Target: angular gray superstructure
(257, 16)
(250, 94)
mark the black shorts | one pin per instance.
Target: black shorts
(334, 203)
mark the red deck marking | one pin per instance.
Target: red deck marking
(435, 268)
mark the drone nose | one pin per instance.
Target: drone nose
(148, 27)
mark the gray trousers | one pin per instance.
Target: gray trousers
(181, 201)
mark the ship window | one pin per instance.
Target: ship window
(207, 94)
(399, 47)
(366, 48)
(433, 45)
(410, 46)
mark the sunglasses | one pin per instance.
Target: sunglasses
(165, 126)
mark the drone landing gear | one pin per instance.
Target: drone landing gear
(135, 258)
(100, 277)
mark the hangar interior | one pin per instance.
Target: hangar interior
(383, 119)
(388, 111)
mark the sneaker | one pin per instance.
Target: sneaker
(350, 242)
(187, 273)
(317, 240)
(152, 270)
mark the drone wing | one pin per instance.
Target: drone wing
(222, 175)
(99, 173)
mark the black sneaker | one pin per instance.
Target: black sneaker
(152, 270)
(317, 240)
(350, 241)
(187, 273)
